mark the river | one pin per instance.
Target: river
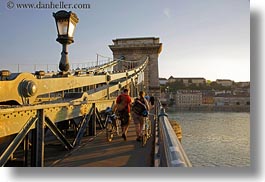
(215, 138)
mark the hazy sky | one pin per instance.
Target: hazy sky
(207, 38)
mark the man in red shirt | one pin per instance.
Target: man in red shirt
(123, 103)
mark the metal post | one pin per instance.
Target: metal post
(64, 62)
(132, 87)
(82, 127)
(127, 78)
(39, 143)
(26, 150)
(108, 79)
(136, 87)
(108, 94)
(97, 59)
(134, 91)
(33, 149)
(92, 122)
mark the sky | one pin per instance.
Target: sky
(209, 38)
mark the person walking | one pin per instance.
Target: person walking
(140, 104)
(123, 107)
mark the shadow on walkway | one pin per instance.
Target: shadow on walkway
(97, 152)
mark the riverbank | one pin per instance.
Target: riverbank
(209, 108)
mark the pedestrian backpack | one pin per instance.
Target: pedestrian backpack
(152, 100)
(122, 104)
(139, 108)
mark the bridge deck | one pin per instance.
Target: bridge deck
(97, 152)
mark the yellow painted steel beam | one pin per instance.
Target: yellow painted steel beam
(13, 119)
(26, 87)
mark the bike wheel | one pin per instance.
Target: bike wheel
(144, 138)
(117, 131)
(109, 133)
(118, 124)
(149, 129)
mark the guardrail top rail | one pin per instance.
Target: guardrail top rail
(172, 153)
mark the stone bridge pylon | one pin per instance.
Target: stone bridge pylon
(133, 50)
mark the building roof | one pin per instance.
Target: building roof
(224, 80)
(193, 78)
(136, 38)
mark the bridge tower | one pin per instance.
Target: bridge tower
(135, 49)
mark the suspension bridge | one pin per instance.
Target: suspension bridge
(54, 118)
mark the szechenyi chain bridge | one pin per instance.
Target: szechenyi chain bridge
(54, 118)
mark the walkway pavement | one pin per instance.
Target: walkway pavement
(97, 152)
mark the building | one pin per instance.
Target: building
(222, 92)
(224, 82)
(243, 84)
(231, 100)
(196, 81)
(207, 100)
(162, 81)
(188, 98)
(171, 79)
(135, 50)
(208, 97)
(188, 81)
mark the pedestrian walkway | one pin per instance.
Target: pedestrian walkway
(97, 152)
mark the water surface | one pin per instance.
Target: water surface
(215, 139)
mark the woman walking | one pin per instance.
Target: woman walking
(139, 106)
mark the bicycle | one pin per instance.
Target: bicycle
(112, 124)
(146, 132)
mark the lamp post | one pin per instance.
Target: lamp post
(65, 23)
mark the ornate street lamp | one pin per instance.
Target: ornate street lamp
(66, 23)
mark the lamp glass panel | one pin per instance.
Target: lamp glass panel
(62, 27)
(71, 29)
